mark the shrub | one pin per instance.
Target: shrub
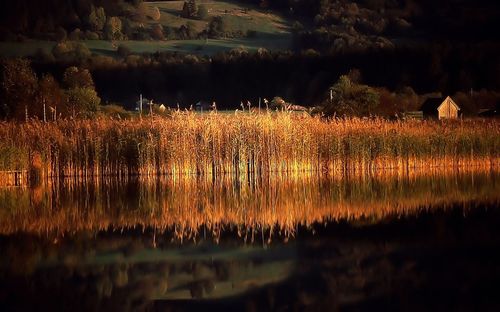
(123, 50)
(115, 111)
(61, 34)
(251, 33)
(75, 35)
(113, 28)
(90, 35)
(155, 14)
(217, 27)
(202, 12)
(157, 32)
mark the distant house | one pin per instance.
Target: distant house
(490, 112)
(441, 108)
(144, 106)
(297, 108)
(203, 106)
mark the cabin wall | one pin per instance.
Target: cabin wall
(447, 111)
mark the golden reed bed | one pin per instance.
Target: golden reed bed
(188, 206)
(256, 144)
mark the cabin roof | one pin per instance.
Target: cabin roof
(431, 105)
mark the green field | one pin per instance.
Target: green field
(272, 32)
(241, 17)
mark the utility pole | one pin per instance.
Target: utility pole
(259, 104)
(44, 113)
(151, 108)
(140, 105)
(26, 112)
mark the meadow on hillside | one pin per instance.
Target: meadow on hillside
(252, 27)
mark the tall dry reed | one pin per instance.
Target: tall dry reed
(256, 144)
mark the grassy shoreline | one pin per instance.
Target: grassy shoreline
(256, 144)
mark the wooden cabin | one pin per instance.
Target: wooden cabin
(440, 108)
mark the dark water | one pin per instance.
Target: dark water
(392, 241)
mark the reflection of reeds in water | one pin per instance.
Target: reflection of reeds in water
(258, 144)
(275, 204)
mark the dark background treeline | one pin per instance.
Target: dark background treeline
(229, 78)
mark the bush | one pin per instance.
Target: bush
(61, 49)
(75, 35)
(202, 12)
(157, 32)
(44, 55)
(71, 51)
(217, 27)
(123, 50)
(155, 14)
(90, 35)
(61, 34)
(114, 110)
(81, 51)
(251, 33)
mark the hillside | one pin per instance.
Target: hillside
(245, 26)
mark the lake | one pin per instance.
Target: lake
(417, 240)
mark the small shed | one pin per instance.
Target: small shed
(441, 108)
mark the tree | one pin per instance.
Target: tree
(19, 85)
(202, 12)
(217, 27)
(83, 102)
(157, 32)
(113, 28)
(50, 94)
(96, 19)
(189, 9)
(352, 99)
(155, 14)
(74, 77)
(71, 51)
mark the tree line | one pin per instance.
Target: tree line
(301, 78)
(24, 95)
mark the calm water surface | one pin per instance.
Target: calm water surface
(418, 241)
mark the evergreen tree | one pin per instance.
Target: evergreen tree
(189, 9)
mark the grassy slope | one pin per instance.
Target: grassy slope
(272, 32)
